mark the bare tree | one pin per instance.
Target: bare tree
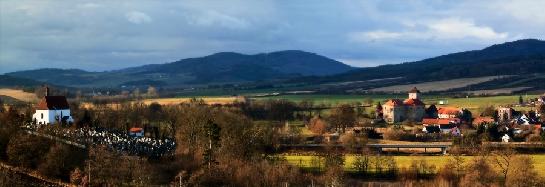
(342, 117)
(523, 173)
(362, 162)
(504, 159)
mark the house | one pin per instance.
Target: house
(136, 132)
(412, 108)
(52, 110)
(526, 119)
(445, 126)
(449, 112)
(440, 121)
(505, 114)
(480, 120)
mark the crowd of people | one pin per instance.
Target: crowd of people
(113, 139)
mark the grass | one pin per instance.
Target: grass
(305, 161)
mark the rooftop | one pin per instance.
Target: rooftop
(53, 103)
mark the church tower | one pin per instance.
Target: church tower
(414, 93)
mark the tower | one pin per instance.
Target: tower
(414, 93)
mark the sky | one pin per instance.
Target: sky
(106, 35)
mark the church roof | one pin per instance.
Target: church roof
(53, 103)
(413, 102)
(414, 90)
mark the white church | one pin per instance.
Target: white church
(52, 110)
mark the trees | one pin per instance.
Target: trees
(504, 160)
(342, 116)
(488, 111)
(61, 160)
(152, 92)
(362, 162)
(479, 173)
(541, 111)
(317, 125)
(212, 130)
(523, 173)
(27, 150)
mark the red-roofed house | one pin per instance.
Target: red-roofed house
(396, 110)
(446, 125)
(136, 131)
(480, 120)
(449, 112)
(52, 109)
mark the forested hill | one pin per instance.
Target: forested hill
(520, 57)
(219, 68)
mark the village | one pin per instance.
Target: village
(409, 120)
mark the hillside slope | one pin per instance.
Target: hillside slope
(219, 68)
(522, 58)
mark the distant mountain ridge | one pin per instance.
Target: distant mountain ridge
(522, 57)
(219, 68)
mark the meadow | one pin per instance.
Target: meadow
(306, 161)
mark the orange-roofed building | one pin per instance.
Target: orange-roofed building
(412, 108)
(449, 112)
(136, 131)
(480, 120)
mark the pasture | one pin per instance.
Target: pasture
(309, 162)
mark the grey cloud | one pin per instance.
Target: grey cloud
(105, 35)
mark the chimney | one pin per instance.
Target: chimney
(46, 91)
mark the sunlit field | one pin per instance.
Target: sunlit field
(306, 161)
(19, 94)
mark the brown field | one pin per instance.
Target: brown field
(19, 95)
(207, 100)
(437, 85)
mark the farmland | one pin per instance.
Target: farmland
(207, 100)
(305, 161)
(438, 85)
(19, 94)
(474, 104)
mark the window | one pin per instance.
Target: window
(42, 115)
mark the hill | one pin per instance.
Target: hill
(219, 68)
(9, 81)
(520, 59)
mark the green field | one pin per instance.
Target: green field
(405, 161)
(471, 103)
(333, 99)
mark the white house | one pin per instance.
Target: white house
(52, 109)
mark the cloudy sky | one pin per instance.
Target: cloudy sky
(105, 35)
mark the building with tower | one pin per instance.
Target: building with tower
(411, 109)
